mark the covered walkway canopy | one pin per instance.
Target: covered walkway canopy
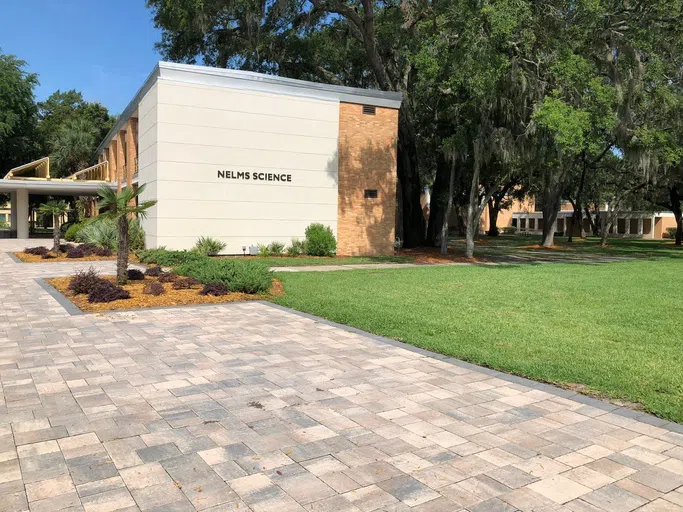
(34, 178)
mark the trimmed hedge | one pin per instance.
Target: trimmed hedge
(246, 276)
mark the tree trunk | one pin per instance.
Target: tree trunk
(438, 204)
(606, 221)
(449, 208)
(552, 192)
(494, 210)
(122, 251)
(678, 214)
(577, 219)
(413, 221)
(593, 223)
(55, 234)
(470, 228)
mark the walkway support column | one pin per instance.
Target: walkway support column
(13, 212)
(22, 213)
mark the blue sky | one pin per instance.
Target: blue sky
(105, 49)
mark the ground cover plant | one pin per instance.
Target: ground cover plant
(238, 275)
(613, 330)
(166, 258)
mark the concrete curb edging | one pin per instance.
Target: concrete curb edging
(69, 306)
(13, 257)
(514, 379)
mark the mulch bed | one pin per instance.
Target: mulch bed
(139, 300)
(432, 255)
(33, 258)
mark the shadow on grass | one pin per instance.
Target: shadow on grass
(509, 249)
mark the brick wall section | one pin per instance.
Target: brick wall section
(367, 160)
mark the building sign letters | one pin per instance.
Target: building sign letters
(254, 176)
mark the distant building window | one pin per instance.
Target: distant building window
(369, 110)
(514, 223)
(370, 193)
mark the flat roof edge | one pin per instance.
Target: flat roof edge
(279, 84)
(204, 75)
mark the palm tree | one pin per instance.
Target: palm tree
(55, 209)
(120, 207)
(73, 146)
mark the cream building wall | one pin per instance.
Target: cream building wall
(189, 132)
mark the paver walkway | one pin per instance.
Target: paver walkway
(246, 407)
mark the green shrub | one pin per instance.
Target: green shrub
(101, 233)
(104, 233)
(670, 233)
(297, 248)
(72, 231)
(263, 250)
(238, 275)
(166, 258)
(276, 248)
(320, 240)
(136, 236)
(208, 246)
(509, 230)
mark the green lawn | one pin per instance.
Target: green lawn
(616, 328)
(286, 261)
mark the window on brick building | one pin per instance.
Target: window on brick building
(370, 193)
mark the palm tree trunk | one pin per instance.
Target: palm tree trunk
(122, 251)
(55, 234)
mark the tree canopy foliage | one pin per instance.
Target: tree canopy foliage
(575, 100)
(64, 126)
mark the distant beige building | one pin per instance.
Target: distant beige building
(526, 217)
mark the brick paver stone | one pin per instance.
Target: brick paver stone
(248, 407)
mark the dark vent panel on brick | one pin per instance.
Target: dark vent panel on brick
(369, 110)
(370, 193)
